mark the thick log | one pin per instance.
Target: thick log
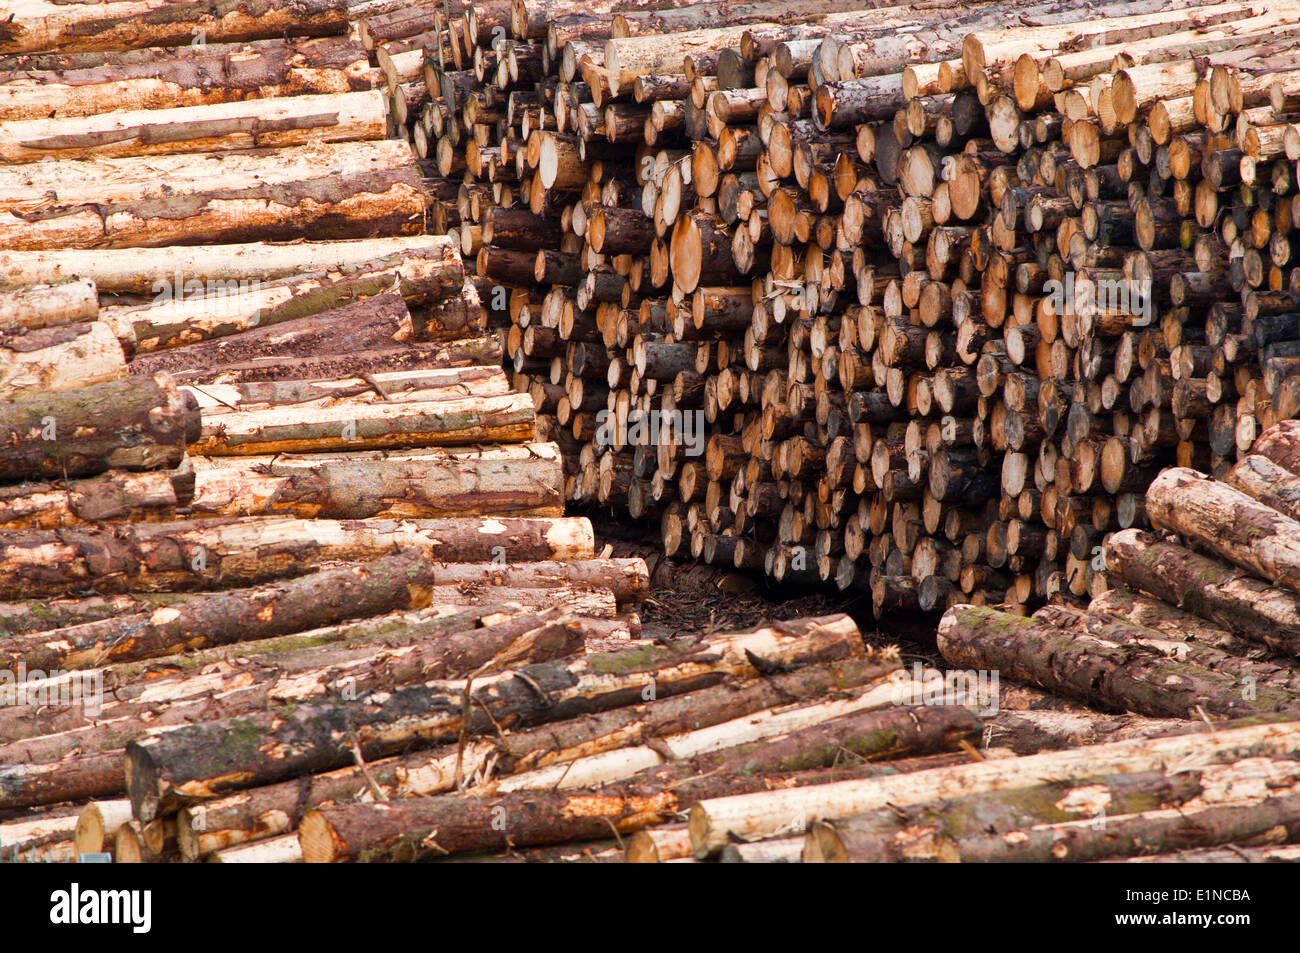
(133, 424)
(1158, 831)
(955, 829)
(249, 124)
(339, 190)
(410, 357)
(273, 808)
(1121, 675)
(59, 302)
(149, 270)
(263, 684)
(1227, 522)
(1208, 588)
(216, 399)
(385, 425)
(177, 763)
(86, 84)
(523, 480)
(219, 553)
(59, 358)
(197, 621)
(181, 316)
(333, 834)
(115, 496)
(44, 25)
(368, 325)
(713, 823)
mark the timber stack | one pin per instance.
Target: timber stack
(242, 470)
(944, 289)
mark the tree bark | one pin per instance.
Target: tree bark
(340, 190)
(714, 823)
(59, 358)
(248, 124)
(1227, 522)
(133, 424)
(57, 303)
(219, 553)
(179, 763)
(1126, 676)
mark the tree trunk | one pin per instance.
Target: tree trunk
(1210, 589)
(46, 838)
(274, 808)
(44, 25)
(1149, 832)
(177, 764)
(219, 553)
(324, 366)
(181, 316)
(249, 124)
(353, 591)
(945, 830)
(340, 190)
(355, 426)
(116, 496)
(149, 270)
(430, 647)
(1126, 676)
(367, 325)
(1227, 522)
(133, 424)
(81, 775)
(714, 823)
(87, 84)
(59, 358)
(524, 480)
(794, 758)
(60, 302)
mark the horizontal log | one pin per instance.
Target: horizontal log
(133, 424)
(217, 553)
(336, 190)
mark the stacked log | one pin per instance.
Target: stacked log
(878, 298)
(243, 471)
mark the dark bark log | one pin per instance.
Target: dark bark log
(132, 424)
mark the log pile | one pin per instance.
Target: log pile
(943, 290)
(239, 470)
(827, 292)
